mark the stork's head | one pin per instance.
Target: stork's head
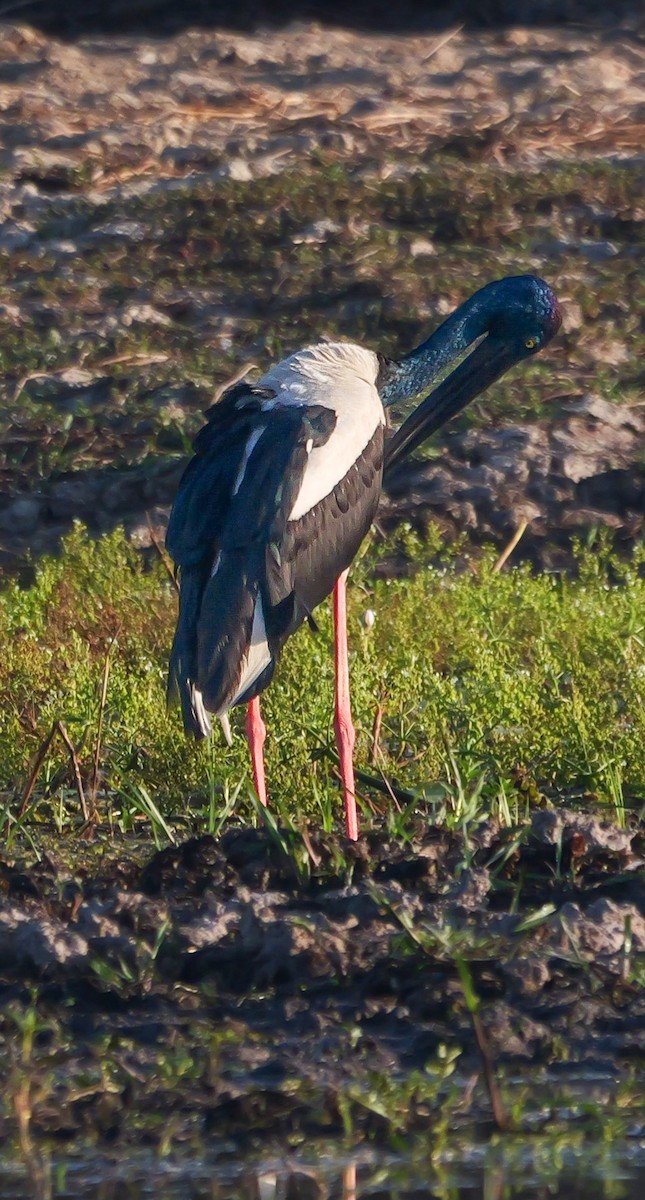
(510, 320)
(520, 311)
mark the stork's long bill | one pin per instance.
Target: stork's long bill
(508, 336)
(482, 367)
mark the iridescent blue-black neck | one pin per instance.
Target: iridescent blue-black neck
(520, 309)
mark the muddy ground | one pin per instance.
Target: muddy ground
(306, 988)
(102, 129)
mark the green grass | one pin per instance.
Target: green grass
(495, 691)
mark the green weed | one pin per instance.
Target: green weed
(495, 691)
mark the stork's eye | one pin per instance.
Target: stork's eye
(530, 343)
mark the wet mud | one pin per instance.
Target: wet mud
(272, 984)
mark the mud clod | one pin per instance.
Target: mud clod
(219, 929)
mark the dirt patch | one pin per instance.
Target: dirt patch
(559, 480)
(109, 112)
(562, 478)
(133, 281)
(293, 973)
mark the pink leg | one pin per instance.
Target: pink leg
(256, 732)
(343, 725)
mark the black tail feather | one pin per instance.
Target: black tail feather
(182, 672)
(225, 624)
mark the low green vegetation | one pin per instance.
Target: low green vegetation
(474, 691)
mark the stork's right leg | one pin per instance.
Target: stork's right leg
(343, 724)
(256, 732)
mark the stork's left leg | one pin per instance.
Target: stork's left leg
(256, 732)
(343, 724)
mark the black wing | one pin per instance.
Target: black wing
(320, 545)
(230, 514)
(203, 497)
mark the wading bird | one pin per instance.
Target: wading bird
(283, 488)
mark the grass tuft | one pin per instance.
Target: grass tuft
(475, 693)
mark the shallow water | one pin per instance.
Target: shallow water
(583, 1139)
(509, 1168)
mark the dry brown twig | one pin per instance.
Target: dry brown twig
(508, 550)
(76, 768)
(99, 731)
(375, 751)
(232, 380)
(41, 754)
(39, 759)
(163, 554)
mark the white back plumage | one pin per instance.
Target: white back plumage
(341, 376)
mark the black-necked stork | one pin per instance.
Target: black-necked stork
(284, 485)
